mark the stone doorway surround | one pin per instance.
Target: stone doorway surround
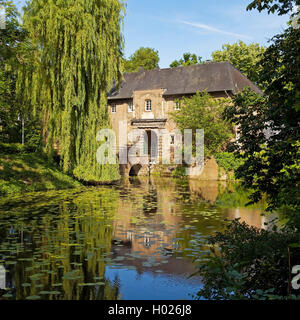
(154, 125)
(148, 125)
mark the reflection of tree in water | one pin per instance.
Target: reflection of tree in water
(65, 251)
(150, 201)
(67, 238)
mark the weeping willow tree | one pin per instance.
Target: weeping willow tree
(79, 46)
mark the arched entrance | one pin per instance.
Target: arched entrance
(134, 171)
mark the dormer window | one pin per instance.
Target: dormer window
(148, 105)
(130, 107)
(177, 106)
(113, 108)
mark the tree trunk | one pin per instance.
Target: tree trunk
(23, 128)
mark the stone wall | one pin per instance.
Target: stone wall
(210, 172)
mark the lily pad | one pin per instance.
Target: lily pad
(33, 298)
(54, 292)
(56, 284)
(26, 284)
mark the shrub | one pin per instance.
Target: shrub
(246, 262)
(228, 161)
(179, 172)
(12, 148)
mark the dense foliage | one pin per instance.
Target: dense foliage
(77, 53)
(202, 111)
(228, 161)
(146, 58)
(279, 6)
(17, 123)
(188, 59)
(245, 58)
(12, 34)
(269, 126)
(249, 264)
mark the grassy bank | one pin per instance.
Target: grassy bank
(26, 172)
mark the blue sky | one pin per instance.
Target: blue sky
(199, 26)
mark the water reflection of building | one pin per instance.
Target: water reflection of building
(210, 191)
(207, 190)
(151, 214)
(142, 216)
(168, 264)
(252, 217)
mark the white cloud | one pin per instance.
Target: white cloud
(212, 29)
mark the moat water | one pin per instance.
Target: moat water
(140, 239)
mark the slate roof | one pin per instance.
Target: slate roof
(212, 76)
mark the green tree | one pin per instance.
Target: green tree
(279, 6)
(202, 111)
(188, 59)
(247, 263)
(12, 33)
(147, 58)
(269, 128)
(244, 57)
(8, 39)
(17, 122)
(78, 53)
(8, 113)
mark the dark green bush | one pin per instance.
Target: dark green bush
(245, 262)
(12, 148)
(179, 172)
(228, 161)
(17, 148)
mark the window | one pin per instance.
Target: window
(148, 106)
(113, 108)
(177, 106)
(130, 107)
(172, 139)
